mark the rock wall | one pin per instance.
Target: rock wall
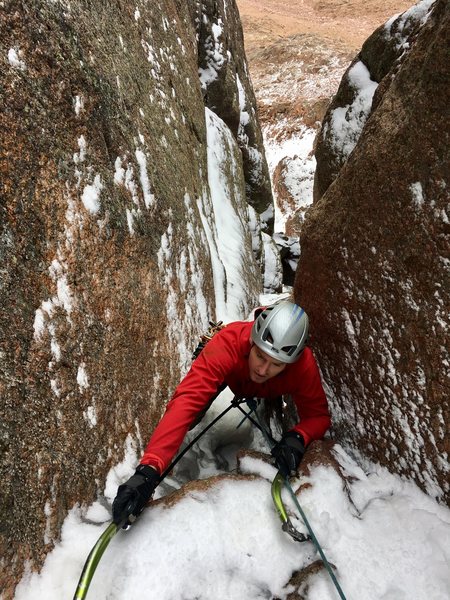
(374, 265)
(367, 78)
(223, 70)
(106, 277)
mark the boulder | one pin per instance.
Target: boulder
(362, 87)
(373, 272)
(293, 179)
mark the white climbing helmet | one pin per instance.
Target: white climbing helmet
(281, 331)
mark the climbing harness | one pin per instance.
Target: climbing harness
(214, 327)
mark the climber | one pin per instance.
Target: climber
(265, 359)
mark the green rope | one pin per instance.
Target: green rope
(93, 559)
(270, 441)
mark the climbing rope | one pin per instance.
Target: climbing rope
(276, 495)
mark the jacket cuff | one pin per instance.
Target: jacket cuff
(154, 462)
(306, 438)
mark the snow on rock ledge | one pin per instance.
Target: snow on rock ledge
(226, 219)
(228, 92)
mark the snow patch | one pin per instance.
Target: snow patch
(15, 59)
(232, 528)
(347, 122)
(417, 194)
(214, 55)
(419, 14)
(91, 195)
(149, 198)
(78, 104)
(80, 156)
(90, 415)
(82, 378)
(272, 265)
(299, 173)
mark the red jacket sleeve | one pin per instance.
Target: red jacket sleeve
(311, 402)
(203, 380)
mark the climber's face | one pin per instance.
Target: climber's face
(262, 366)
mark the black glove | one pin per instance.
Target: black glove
(133, 495)
(288, 453)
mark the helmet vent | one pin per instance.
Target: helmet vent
(289, 350)
(268, 337)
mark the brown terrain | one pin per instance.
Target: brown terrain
(298, 51)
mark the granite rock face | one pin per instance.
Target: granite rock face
(228, 92)
(292, 192)
(374, 268)
(107, 238)
(362, 87)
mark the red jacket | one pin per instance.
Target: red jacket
(225, 359)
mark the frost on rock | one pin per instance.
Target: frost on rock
(399, 27)
(348, 121)
(149, 198)
(417, 194)
(228, 92)
(90, 415)
(91, 195)
(45, 321)
(234, 256)
(244, 118)
(214, 54)
(181, 271)
(78, 104)
(380, 61)
(82, 378)
(272, 266)
(15, 59)
(254, 224)
(126, 178)
(384, 403)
